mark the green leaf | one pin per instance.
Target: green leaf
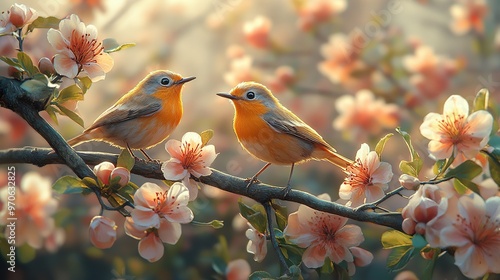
(219, 266)
(466, 170)
(399, 257)
(126, 160)
(494, 169)
(463, 185)
(206, 136)
(381, 144)
(12, 62)
(72, 92)
(281, 213)
(69, 185)
(256, 218)
(415, 164)
(394, 238)
(44, 22)
(111, 45)
(27, 64)
(260, 275)
(52, 113)
(430, 264)
(482, 100)
(72, 115)
(84, 83)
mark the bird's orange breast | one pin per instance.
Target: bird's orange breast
(265, 143)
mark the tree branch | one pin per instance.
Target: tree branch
(258, 191)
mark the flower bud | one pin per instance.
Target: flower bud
(123, 174)
(46, 67)
(103, 171)
(409, 182)
(102, 232)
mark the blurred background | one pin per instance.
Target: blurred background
(353, 70)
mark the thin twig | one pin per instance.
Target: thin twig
(274, 242)
(374, 205)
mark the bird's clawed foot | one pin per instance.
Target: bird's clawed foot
(286, 190)
(251, 181)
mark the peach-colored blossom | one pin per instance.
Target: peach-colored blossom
(102, 232)
(314, 12)
(34, 207)
(46, 66)
(238, 269)
(103, 171)
(78, 50)
(257, 32)
(430, 74)
(409, 182)
(257, 243)
(152, 204)
(468, 15)
(157, 218)
(428, 211)
(342, 55)
(455, 132)
(18, 16)
(189, 157)
(106, 171)
(367, 178)
(361, 257)
(282, 78)
(241, 71)
(323, 234)
(475, 235)
(363, 113)
(122, 173)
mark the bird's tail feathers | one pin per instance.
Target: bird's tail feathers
(338, 160)
(82, 138)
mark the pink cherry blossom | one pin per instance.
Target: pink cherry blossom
(153, 204)
(455, 132)
(314, 12)
(78, 50)
(238, 269)
(34, 209)
(323, 234)
(468, 15)
(106, 171)
(257, 244)
(102, 232)
(475, 235)
(343, 58)
(189, 157)
(429, 210)
(257, 32)
(363, 113)
(240, 71)
(367, 178)
(157, 218)
(282, 78)
(18, 16)
(362, 258)
(430, 74)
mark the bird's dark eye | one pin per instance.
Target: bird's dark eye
(250, 95)
(165, 81)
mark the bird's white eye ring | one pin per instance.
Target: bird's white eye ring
(250, 95)
(165, 81)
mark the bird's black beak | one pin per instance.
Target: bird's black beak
(226, 95)
(185, 80)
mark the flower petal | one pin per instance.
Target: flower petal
(314, 256)
(65, 65)
(151, 248)
(173, 170)
(169, 232)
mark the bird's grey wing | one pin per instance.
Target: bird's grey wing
(142, 107)
(296, 127)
